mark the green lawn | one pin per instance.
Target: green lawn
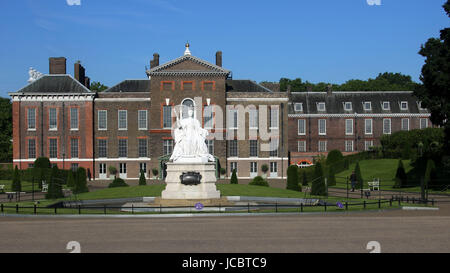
(383, 169)
(26, 186)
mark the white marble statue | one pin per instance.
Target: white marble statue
(34, 75)
(190, 146)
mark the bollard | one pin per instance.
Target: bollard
(79, 209)
(132, 209)
(407, 199)
(364, 204)
(17, 208)
(2, 207)
(56, 211)
(276, 206)
(248, 207)
(34, 208)
(325, 207)
(379, 203)
(346, 205)
(301, 207)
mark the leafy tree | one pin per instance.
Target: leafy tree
(336, 160)
(359, 179)
(41, 168)
(5, 130)
(98, 87)
(70, 180)
(430, 174)
(54, 186)
(234, 179)
(16, 185)
(142, 181)
(305, 179)
(318, 184)
(331, 179)
(259, 181)
(80, 183)
(400, 176)
(292, 178)
(434, 93)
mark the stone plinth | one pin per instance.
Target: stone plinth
(205, 190)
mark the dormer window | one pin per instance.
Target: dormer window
(347, 106)
(367, 106)
(404, 105)
(298, 107)
(419, 104)
(321, 106)
(386, 105)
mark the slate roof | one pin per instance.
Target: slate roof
(245, 86)
(131, 86)
(55, 84)
(334, 103)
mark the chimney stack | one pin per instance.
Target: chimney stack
(57, 65)
(79, 72)
(219, 58)
(87, 82)
(155, 61)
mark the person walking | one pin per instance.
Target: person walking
(353, 180)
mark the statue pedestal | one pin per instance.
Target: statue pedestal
(205, 190)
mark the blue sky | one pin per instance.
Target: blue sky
(316, 40)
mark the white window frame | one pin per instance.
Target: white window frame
(139, 147)
(210, 123)
(118, 148)
(366, 146)
(349, 146)
(251, 147)
(401, 105)
(78, 119)
(146, 120)
(300, 133)
(388, 105)
(370, 106)
(123, 170)
(34, 147)
(126, 120)
(274, 123)
(253, 169)
(273, 168)
(71, 147)
(232, 114)
(235, 165)
(420, 123)
(325, 127)
(106, 120)
(371, 127)
(28, 119)
(319, 104)
(298, 107)
(102, 174)
(298, 146)
(253, 119)
(348, 103)
(390, 126)
(50, 128)
(324, 142)
(346, 128)
(106, 148)
(407, 127)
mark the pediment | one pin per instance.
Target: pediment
(187, 64)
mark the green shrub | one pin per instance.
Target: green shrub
(118, 182)
(223, 171)
(304, 179)
(80, 181)
(430, 175)
(400, 176)
(142, 181)
(318, 184)
(292, 178)
(331, 179)
(259, 181)
(70, 180)
(234, 179)
(264, 168)
(54, 186)
(359, 179)
(16, 185)
(335, 159)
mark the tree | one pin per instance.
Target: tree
(305, 179)
(430, 174)
(142, 181)
(259, 181)
(41, 168)
(331, 180)
(98, 87)
(336, 160)
(318, 184)
(264, 168)
(70, 180)
(54, 186)
(16, 185)
(435, 77)
(5, 130)
(117, 182)
(234, 179)
(292, 178)
(155, 172)
(359, 179)
(80, 183)
(400, 176)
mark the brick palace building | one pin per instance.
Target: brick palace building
(129, 125)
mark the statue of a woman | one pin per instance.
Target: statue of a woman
(190, 143)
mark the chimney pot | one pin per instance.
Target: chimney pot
(155, 61)
(329, 90)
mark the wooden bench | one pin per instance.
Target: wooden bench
(374, 184)
(2, 188)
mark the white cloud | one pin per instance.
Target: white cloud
(374, 2)
(73, 2)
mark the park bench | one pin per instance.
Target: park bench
(44, 186)
(374, 184)
(2, 188)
